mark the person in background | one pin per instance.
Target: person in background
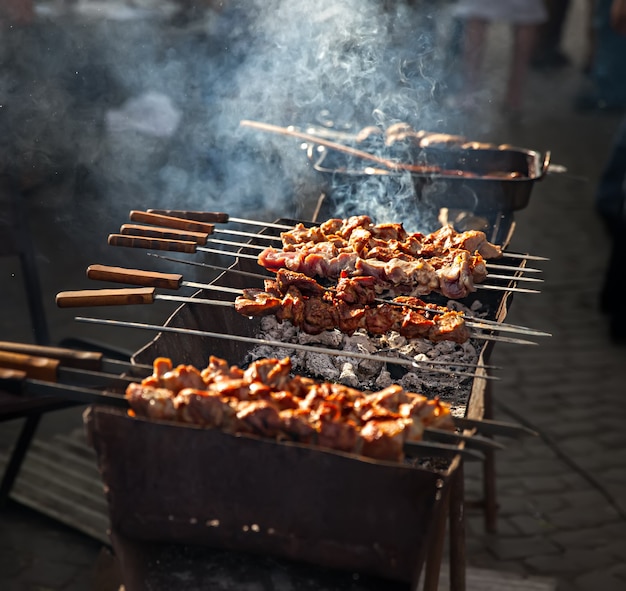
(611, 206)
(548, 52)
(524, 16)
(606, 87)
(16, 12)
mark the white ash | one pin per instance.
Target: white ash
(369, 374)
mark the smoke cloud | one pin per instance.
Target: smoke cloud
(343, 65)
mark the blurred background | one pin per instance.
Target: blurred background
(128, 104)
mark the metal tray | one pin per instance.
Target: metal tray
(483, 189)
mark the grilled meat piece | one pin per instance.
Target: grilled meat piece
(272, 372)
(265, 401)
(259, 417)
(360, 235)
(449, 327)
(306, 285)
(447, 238)
(256, 302)
(355, 290)
(384, 439)
(148, 401)
(453, 276)
(203, 408)
(315, 315)
(218, 369)
(183, 376)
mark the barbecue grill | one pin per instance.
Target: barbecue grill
(184, 486)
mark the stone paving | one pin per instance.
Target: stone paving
(562, 495)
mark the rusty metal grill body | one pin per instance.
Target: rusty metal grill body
(177, 484)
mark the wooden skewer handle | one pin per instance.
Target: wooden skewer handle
(12, 380)
(215, 217)
(168, 221)
(167, 234)
(135, 276)
(152, 243)
(105, 297)
(89, 360)
(38, 368)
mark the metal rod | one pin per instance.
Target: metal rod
(514, 278)
(256, 235)
(521, 255)
(261, 224)
(148, 295)
(512, 268)
(493, 324)
(279, 344)
(509, 289)
(505, 253)
(261, 247)
(208, 266)
(175, 281)
(248, 234)
(79, 359)
(223, 218)
(477, 322)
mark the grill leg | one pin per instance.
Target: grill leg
(457, 532)
(489, 474)
(17, 457)
(435, 552)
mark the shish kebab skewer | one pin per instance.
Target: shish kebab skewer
(172, 228)
(488, 265)
(419, 365)
(175, 281)
(488, 324)
(438, 442)
(148, 295)
(435, 244)
(52, 370)
(20, 383)
(222, 218)
(132, 241)
(75, 358)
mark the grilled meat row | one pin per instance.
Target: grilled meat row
(265, 400)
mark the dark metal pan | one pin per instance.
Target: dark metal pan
(478, 180)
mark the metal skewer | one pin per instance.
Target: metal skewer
(149, 279)
(192, 247)
(257, 235)
(521, 255)
(18, 382)
(132, 241)
(420, 365)
(223, 218)
(483, 323)
(261, 248)
(148, 295)
(514, 278)
(175, 281)
(493, 324)
(436, 442)
(74, 358)
(50, 369)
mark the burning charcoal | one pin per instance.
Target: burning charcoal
(318, 364)
(348, 376)
(383, 380)
(329, 338)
